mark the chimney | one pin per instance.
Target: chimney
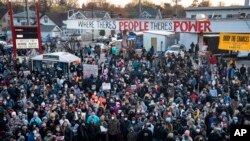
(246, 3)
(70, 13)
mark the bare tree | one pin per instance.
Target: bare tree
(194, 3)
(221, 3)
(176, 8)
(204, 3)
(45, 5)
(167, 10)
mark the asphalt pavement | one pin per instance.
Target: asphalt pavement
(241, 61)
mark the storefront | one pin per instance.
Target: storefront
(58, 60)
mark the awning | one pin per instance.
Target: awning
(58, 57)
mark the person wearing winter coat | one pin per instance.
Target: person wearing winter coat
(67, 132)
(145, 135)
(132, 136)
(170, 137)
(186, 136)
(125, 124)
(103, 129)
(82, 133)
(214, 135)
(92, 131)
(113, 129)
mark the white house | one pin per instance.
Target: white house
(150, 13)
(21, 18)
(50, 31)
(82, 14)
(4, 20)
(52, 23)
(160, 40)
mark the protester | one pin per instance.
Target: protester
(151, 98)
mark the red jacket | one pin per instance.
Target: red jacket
(213, 60)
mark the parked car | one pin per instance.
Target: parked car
(242, 54)
(176, 49)
(3, 43)
(102, 45)
(77, 37)
(101, 39)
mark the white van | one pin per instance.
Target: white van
(243, 54)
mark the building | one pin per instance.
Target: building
(53, 22)
(50, 31)
(20, 19)
(227, 12)
(4, 20)
(160, 40)
(150, 13)
(219, 12)
(82, 14)
(87, 35)
(231, 19)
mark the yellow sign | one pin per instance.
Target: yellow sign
(234, 41)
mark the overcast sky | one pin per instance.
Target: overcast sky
(185, 3)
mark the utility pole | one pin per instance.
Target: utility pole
(139, 8)
(27, 11)
(176, 4)
(92, 19)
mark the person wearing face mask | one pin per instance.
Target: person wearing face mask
(31, 135)
(125, 124)
(34, 135)
(12, 90)
(235, 120)
(145, 134)
(14, 122)
(82, 132)
(5, 105)
(132, 135)
(135, 125)
(113, 128)
(158, 131)
(57, 131)
(48, 137)
(92, 131)
(102, 127)
(32, 97)
(197, 132)
(215, 135)
(227, 99)
(213, 120)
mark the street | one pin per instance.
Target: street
(244, 61)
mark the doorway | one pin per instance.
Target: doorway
(154, 43)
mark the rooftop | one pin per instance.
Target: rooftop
(57, 18)
(217, 8)
(3, 11)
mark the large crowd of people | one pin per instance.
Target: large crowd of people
(152, 98)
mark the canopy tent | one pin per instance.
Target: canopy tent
(57, 56)
(59, 60)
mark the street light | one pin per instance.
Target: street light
(92, 19)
